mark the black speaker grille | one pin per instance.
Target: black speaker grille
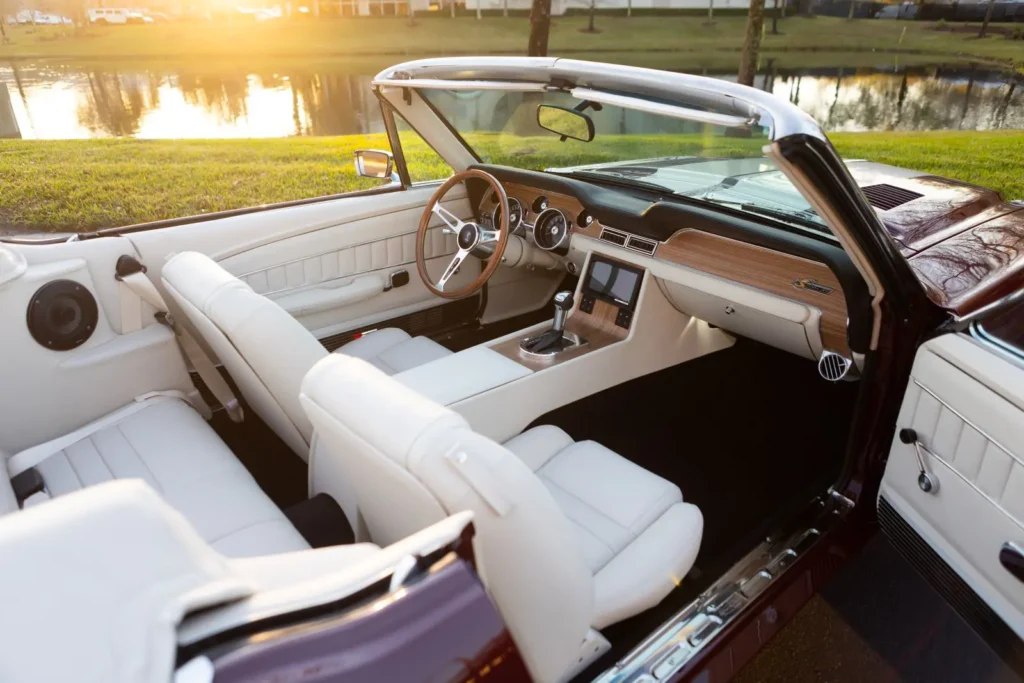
(62, 315)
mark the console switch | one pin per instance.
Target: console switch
(624, 318)
(587, 303)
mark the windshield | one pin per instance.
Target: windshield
(703, 161)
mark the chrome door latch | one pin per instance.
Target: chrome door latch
(927, 482)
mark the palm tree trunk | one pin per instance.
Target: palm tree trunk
(775, 18)
(711, 11)
(590, 19)
(540, 27)
(504, 8)
(988, 18)
(751, 42)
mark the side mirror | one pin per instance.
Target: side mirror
(568, 123)
(373, 163)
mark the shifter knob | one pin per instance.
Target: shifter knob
(563, 304)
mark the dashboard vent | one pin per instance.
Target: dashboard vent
(614, 236)
(887, 197)
(833, 367)
(640, 244)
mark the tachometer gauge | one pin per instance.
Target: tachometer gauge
(515, 216)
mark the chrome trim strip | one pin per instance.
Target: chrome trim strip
(666, 651)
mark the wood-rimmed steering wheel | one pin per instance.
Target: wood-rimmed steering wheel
(470, 237)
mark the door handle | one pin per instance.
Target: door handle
(1012, 558)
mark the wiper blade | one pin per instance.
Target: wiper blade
(614, 179)
(788, 216)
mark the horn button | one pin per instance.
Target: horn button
(468, 236)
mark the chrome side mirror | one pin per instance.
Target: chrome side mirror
(374, 163)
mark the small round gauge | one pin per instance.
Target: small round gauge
(515, 215)
(551, 229)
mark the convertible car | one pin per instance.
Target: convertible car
(605, 397)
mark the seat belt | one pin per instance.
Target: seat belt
(133, 275)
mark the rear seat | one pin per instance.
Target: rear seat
(165, 442)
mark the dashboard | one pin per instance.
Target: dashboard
(787, 289)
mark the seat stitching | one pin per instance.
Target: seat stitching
(243, 528)
(99, 453)
(71, 463)
(652, 505)
(602, 514)
(159, 487)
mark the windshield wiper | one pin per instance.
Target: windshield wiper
(614, 179)
(787, 216)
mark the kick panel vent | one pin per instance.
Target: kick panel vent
(640, 244)
(614, 236)
(886, 197)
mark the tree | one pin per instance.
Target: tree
(988, 18)
(775, 18)
(504, 8)
(591, 17)
(540, 27)
(751, 42)
(711, 13)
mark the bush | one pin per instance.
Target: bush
(941, 24)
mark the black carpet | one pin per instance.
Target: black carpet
(750, 434)
(877, 620)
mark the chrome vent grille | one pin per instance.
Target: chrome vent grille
(833, 367)
(887, 197)
(642, 245)
(614, 236)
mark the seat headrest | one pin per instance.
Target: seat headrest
(376, 408)
(200, 279)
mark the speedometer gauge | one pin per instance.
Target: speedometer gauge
(551, 229)
(515, 215)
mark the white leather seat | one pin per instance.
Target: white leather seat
(167, 444)
(392, 350)
(265, 350)
(571, 536)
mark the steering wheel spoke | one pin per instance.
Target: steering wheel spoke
(452, 268)
(452, 224)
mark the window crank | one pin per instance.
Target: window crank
(928, 483)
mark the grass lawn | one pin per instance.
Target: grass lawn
(74, 185)
(432, 36)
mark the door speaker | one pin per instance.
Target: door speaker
(62, 315)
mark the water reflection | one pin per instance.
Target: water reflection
(73, 102)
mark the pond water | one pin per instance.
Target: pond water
(44, 101)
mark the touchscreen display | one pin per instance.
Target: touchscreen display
(613, 282)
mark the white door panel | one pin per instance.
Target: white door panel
(966, 404)
(329, 263)
(46, 393)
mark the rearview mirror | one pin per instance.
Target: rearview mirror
(565, 122)
(373, 163)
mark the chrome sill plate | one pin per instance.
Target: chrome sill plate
(666, 651)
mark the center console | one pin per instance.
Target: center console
(613, 282)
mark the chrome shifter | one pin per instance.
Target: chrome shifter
(554, 340)
(563, 304)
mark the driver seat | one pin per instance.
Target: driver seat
(266, 351)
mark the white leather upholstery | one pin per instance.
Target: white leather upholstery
(93, 585)
(461, 375)
(392, 350)
(168, 445)
(565, 524)
(264, 349)
(637, 535)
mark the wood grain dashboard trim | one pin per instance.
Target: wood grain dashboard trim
(526, 195)
(790, 277)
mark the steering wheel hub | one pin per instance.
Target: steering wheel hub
(469, 235)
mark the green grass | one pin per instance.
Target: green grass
(74, 185)
(348, 38)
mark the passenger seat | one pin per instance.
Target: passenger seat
(166, 443)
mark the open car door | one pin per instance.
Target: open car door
(952, 497)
